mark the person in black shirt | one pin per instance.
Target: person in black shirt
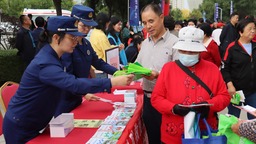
(133, 49)
(228, 33)
(24, 41)
(40, 22)
(32, 26)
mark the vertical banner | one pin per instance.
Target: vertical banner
(162, 5)
(134, 13)
(166, 7)
(231, 7)
(216, 12)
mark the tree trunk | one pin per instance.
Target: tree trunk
(110, 6)
(57, 4)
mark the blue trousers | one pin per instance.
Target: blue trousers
(249, 100)
(152, 120)
(16, 134)
(68, 102)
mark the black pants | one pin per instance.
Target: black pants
(152, 119)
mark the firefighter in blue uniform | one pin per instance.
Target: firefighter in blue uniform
(35, 102)
(80, 61)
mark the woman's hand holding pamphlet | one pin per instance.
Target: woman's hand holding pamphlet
(203, 108)
(237, 97)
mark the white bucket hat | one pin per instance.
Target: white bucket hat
(190, 39)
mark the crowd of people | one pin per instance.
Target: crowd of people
(60, 56)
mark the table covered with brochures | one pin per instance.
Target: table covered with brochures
(104, 122)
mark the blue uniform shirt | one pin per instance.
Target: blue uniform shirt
(84, 57)
(36, 99)
(79, 63)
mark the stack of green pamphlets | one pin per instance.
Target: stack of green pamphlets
(87, 123)
(134, 68)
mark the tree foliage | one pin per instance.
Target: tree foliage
(114, 7)
(185, 13)
(91, 3)
(67, 4)
(42, 4)
(243, 7)
(12, 8)
(195, 14)
(176, 14)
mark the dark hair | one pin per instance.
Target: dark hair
(30, 16)
(206, 28)
(137, 39)
(233, 14)
(201, 20)
(39, 21)
(113, 21)
(21, 19)
(46, 36)
(124, 24)
(208, 21)
(156, 8)
(192, 20)
(169, 22)
(242, 24)
(185, 22)
(178, 23)
(102, 19)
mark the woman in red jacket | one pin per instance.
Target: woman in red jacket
(175, 87)
(212, 54)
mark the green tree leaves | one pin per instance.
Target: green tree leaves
(195, 14)
(177, 14)
(243, 7)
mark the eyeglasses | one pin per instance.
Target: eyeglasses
(73, 38)
(84, 26)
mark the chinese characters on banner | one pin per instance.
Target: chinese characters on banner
(134, 13)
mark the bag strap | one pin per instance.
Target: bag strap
(196, 78)
(208, 127)
(197, 131)
(197, 128)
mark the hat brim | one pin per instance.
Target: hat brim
(189, 46)
(89, 23)
(76, 33)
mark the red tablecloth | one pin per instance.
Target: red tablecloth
(133, 133)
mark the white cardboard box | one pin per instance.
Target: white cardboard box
(130, 96)
(62, 125)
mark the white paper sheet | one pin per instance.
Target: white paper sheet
(189, 120)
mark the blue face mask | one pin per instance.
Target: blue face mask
(188, 60)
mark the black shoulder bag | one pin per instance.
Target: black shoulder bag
(196, 78)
